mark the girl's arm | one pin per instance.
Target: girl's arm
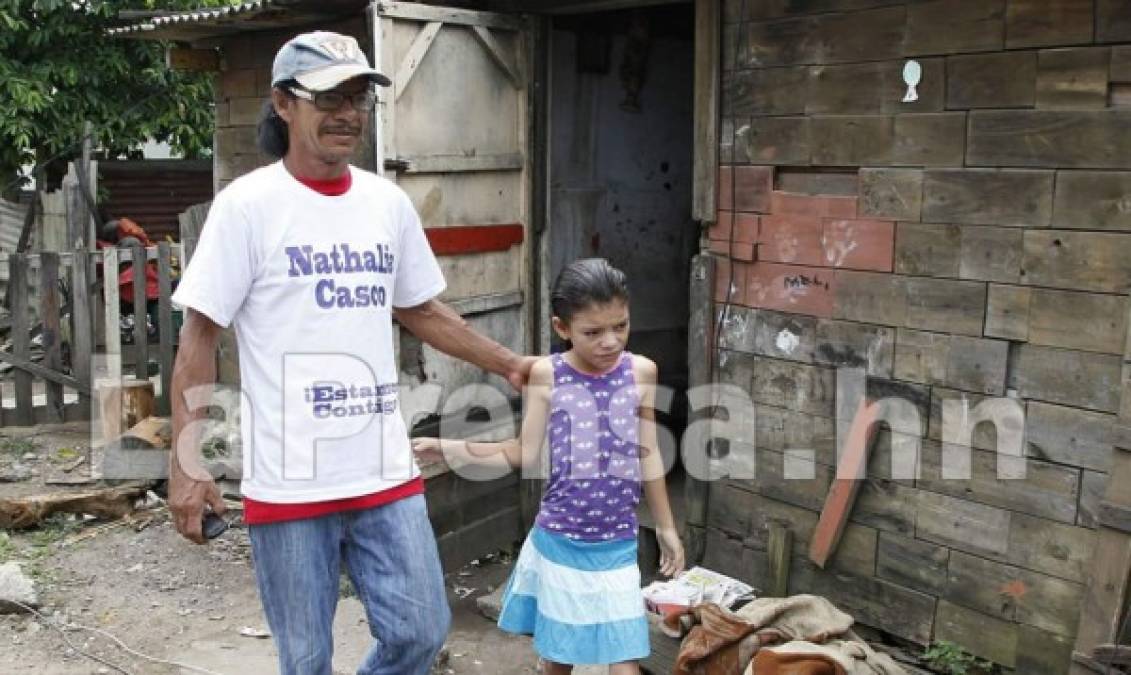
(652, 466)
(518, 452)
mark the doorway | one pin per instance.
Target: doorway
(620, 175)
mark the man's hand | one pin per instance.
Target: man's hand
(187, 497)
(520, 371)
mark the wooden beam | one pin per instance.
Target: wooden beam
(513, 161)
(191, 60)
(414, 57)
(481, 304)
(498, 55)
(464, 17)
(45, 373)
(1113, 655)
(708, 26)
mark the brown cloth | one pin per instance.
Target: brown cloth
(721, 642)
(769, 662)
(835, 657)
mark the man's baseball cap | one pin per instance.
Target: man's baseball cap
(322, 60)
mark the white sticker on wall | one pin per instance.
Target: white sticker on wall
(912, 74)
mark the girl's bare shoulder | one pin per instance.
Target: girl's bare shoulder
(542, 373)
(644, 369)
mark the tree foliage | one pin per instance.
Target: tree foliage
(59, 68)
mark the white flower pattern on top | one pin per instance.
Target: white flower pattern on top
(594, 460)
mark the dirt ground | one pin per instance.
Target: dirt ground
(139, 581)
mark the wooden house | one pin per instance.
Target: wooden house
(785, 207)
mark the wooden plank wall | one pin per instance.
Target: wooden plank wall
(54, 389)
(973, 243)
(47, 389)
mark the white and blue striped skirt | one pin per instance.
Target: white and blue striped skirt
(580, 600)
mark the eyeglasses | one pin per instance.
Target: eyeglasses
(332, 101)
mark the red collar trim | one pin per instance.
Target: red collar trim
(334, 187)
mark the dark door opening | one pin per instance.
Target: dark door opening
(621, 143)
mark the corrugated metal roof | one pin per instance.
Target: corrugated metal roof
(195, 16)
(218, 21)
(11, 224)
(153, 192)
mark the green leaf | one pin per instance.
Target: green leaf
(59, 69)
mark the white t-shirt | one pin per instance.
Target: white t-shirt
(309, 281)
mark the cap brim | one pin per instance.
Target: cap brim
(331, 76)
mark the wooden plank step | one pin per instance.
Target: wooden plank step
(664, 651)
(1113, 655)
(1115, 516)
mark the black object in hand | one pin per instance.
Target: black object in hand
(213, 525)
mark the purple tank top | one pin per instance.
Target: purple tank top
(594, 484)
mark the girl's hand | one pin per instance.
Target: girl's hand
(428, 450)
(671, 551)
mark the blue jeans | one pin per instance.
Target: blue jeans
(390, 554)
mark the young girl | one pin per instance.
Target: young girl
(575, 585)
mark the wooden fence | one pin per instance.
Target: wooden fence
(64, 300)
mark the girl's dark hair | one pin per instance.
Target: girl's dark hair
(272, 135)
(586, 282)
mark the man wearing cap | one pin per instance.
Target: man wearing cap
(310, 259)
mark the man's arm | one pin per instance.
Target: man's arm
(190, 484)
(441, 327)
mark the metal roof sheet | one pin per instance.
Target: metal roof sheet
(213, 22)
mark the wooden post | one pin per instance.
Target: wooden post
(188, 245)
(1108, 583)
(705, 169)
(82, 335)
(191, 221)
(78, 216)
(88, 186)
(700, 356)
(123, 406)
(141, 334)
(49, 313)
(21, 341)
(1109, 578)
(137, 402)
(780, 549)
(112, 304)
(165, 324)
